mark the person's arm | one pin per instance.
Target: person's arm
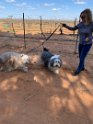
(70, 28)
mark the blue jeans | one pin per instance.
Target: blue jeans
(83, 52)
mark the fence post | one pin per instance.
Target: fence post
(76, 42)
(24, 31)
(13, 29)
(75, 21)
(41, 28)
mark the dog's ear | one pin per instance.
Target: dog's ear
(22, 55)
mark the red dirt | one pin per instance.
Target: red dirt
(42, 97)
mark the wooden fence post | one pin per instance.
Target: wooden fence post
(24, 30)
(76, 42)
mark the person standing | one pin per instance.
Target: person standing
(85, 29)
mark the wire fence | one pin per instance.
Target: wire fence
(32, 26)
(37, 29)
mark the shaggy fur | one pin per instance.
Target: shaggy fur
(51, 61)
(10, 61)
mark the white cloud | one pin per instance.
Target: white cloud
(33, 8)
(80, 1)
(21, 4)
(10, 1)
(24, 5)
(48, 4)
(2, 7)
(56, 9)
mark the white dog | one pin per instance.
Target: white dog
(10, 61)
(51, 61)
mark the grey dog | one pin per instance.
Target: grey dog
(51, 61)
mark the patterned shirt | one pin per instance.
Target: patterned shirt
(85, 32)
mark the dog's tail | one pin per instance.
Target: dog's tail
(45, 49)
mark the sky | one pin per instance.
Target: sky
(47, 9)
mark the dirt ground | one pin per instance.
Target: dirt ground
(42, 97)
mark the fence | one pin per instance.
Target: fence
(33, 28)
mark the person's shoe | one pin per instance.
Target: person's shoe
(75, 73)
(83, 69)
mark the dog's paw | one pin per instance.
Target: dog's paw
(8, 70)
(56, 71)
(1, 69)
(25, 69)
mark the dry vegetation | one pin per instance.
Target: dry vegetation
(39, 96)
(33, 26)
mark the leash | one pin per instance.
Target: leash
(43, 42)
